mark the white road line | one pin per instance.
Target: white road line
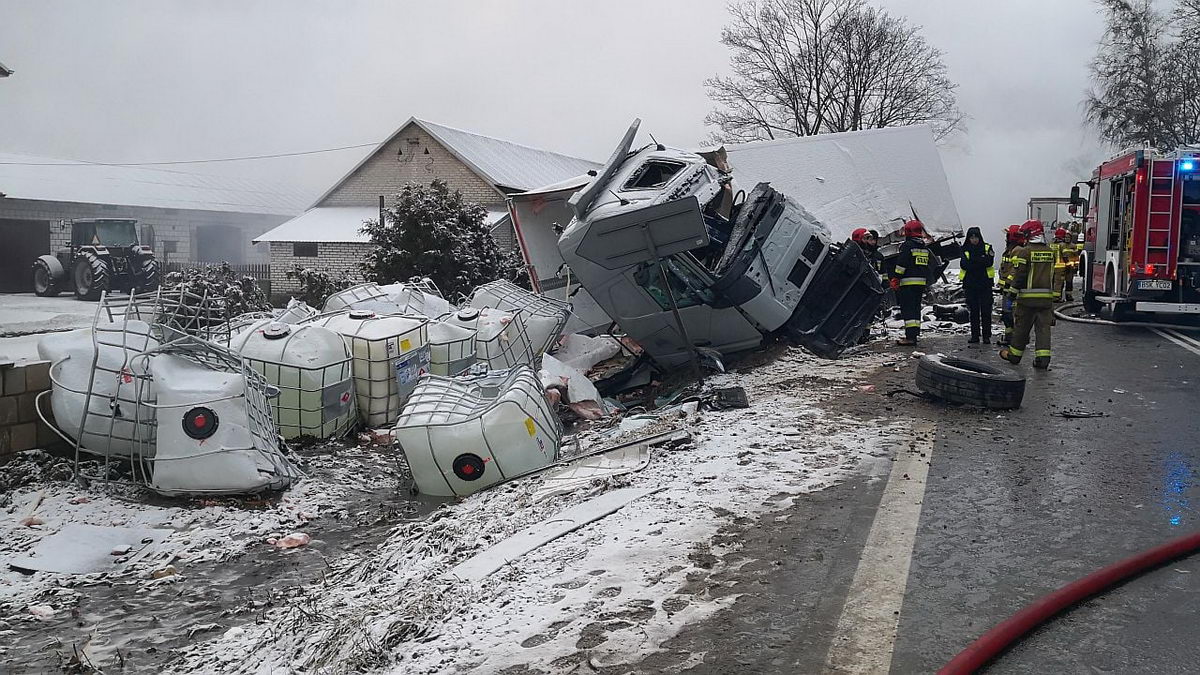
(1186, 343)
(866, 631)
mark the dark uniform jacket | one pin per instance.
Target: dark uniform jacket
(914, 264)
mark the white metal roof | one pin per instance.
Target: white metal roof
(501, 163)
(61, 180)
(856, 178)
(338, 224)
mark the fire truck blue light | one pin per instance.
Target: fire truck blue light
(1187, 165)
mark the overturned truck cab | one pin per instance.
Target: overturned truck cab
(680, 260)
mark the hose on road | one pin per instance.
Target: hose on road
(1061, 313)
(1006, 633)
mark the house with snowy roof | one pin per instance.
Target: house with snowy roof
(486, 170)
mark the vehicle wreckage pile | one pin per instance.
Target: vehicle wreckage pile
(198, 402)
(167, 390)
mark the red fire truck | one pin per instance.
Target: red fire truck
(1142, 233)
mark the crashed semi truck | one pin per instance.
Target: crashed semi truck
(681, 260)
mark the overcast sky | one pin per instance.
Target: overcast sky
(146, 81)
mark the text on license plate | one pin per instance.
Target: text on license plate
(1154, 285)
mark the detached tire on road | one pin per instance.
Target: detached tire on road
(970, 382)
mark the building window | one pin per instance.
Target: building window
(169, 245)
(304, 249)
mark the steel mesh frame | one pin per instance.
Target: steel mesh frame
(512, 297)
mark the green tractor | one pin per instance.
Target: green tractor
(105, 255)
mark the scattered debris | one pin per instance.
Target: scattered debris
(1081, 414)
(168, 571)
(293, 540)
(572, 476)
(494, 557)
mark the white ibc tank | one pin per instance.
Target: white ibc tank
(417, 298)
(452, 348)
(310, 365)
(462, 435)
(500, 338)
(117, 417)
(368, 296)
(215, 434)
(544, 317)
(389, 353)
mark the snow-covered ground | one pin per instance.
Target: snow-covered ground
(22, 315)
(612, 590)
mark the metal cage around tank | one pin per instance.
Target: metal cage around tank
(311, 367)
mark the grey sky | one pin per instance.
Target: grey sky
(142, 81)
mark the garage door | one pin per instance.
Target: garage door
(24, 241)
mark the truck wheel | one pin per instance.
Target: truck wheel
(150, 275)
(91, 276)
(1090, 303)
(43, 281)
(969, 381)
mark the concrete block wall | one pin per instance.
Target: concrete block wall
(337, 257)
(20, 427)
(413, 156)
(174, 225)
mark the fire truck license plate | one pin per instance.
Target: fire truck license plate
(1154, 285)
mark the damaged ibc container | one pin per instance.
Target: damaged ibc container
(544, 317)
(462, 435)
(452, 348)
(310, 365)
(500, 338)
(389, 354)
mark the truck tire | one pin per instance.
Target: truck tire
(44, 284)
(91, 276)
(970, 382)
(149, 275)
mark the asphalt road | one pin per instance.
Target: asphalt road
(1015, 505)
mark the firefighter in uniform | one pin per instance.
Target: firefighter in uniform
(1031, 277)
(1070, 263)
(908, 277)
(1012, 239)
(1061, 249)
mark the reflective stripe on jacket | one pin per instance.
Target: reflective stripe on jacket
(1033, 272)
(912, 265)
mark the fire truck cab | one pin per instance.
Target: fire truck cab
(1142, 241)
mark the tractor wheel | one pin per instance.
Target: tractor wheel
(43, 282)
(150, 275)
(91, 276)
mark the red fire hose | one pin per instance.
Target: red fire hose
(1012, 629)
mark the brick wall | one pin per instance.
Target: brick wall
(181, 226)
(20, 428)
(338, 257)
(413, 156)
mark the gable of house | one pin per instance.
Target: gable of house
(411, 156)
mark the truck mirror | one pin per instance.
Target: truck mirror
(1073, 209)
(1075, 200)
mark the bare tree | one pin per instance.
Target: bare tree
(805, 67)
(1146, 75)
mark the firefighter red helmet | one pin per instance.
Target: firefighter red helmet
(914, 228)
(1061, 233)
(1013, 233)
(1033, 228)
(858, 234)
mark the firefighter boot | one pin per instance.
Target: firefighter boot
(1041, 362)
(1012, 355)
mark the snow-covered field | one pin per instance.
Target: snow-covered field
(609, 592)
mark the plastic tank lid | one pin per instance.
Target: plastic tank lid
(361, 314)
(276, 330)
(468, 314)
